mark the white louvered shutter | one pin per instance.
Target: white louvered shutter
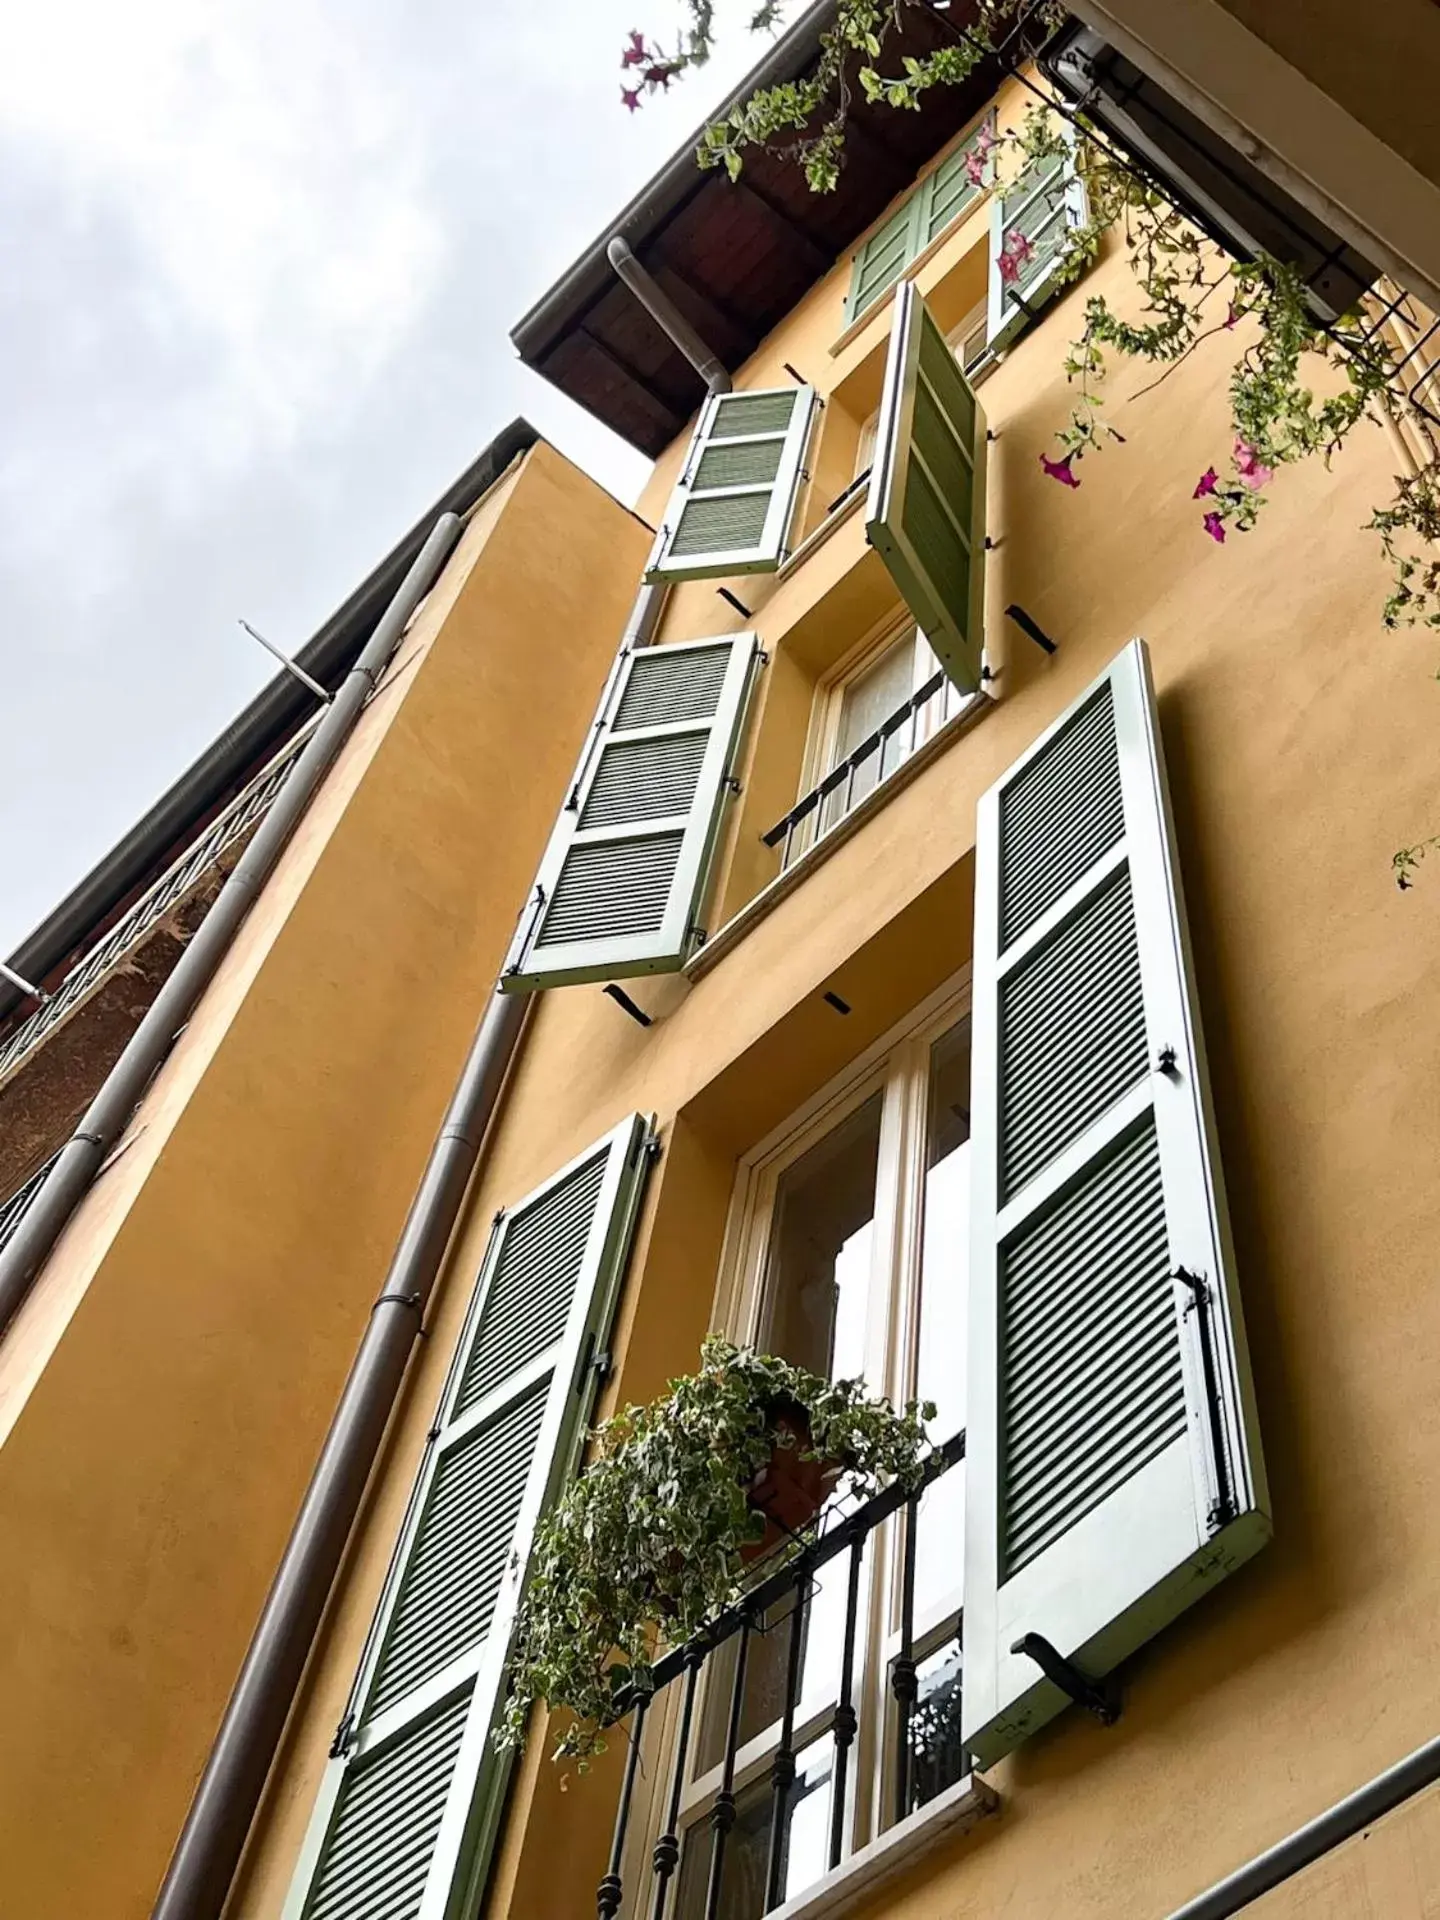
(624, 877)
(1113, 1459)
(408, 1811)
(925, 511)
(732, 507)
(1042, 204)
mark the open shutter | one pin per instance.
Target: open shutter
(939, 200)
(409, 1807)
(1040, 206)
(732, 507)
(925, 514)
(1113, 1459)
(624, 876)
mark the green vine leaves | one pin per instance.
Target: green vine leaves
(643, 1550)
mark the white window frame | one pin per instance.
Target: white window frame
(897, 1066)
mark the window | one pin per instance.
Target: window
(887, 702)
(947, 192)
(850, 1259)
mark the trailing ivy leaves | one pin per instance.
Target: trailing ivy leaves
(644, 1549)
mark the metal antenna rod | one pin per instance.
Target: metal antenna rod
(290, 666)
(18, 980)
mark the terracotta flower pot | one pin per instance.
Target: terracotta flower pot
(789, 1489)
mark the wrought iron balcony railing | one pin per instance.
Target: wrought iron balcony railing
(743, 1821)
(244, 812)
(876, 758)
(13, 1210)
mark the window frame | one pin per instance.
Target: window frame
(896, 1066)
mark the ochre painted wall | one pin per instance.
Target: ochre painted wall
(1301, 743)
(166, 1388)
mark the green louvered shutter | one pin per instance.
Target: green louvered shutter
(1043, 204)
(925, 514)
(410, 1805)
(624, 877)
(732, 507)
(1113, 1465)
(939, 200)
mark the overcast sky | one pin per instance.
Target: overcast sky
(262, 258)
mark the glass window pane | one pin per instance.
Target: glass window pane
(941, 1353)
(804, 1845)
(817, 1275)
(937, 1759)
(872, 696)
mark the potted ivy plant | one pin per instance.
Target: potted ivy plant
(685, 1501)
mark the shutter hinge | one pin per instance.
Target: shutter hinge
(1165, 1062)
(344, 1737)
(733, 784)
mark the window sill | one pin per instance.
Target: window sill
(953, 1813)
(784, 884)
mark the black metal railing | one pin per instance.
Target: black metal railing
(776, 1610)
(861, 772)
(14, 1210)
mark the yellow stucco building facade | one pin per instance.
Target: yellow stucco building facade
(880, 1050)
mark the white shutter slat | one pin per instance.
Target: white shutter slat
(624, 878)
(925, 508)
(731, 509)
(1113, 1459)
(409, 1808)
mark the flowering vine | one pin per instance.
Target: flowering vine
(1276, 418)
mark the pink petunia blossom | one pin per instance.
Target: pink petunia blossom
(975, 168)
(1060, 470)
(1233, 315)
(1205, 484)
(1251, 468)
(631, 98)
(660, 73)
(635, 54)
(1018, 248)
(1215, 527)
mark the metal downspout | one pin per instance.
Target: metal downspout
(667, 316)
(109, 1112)
(1320, 1836)
(198, 1880)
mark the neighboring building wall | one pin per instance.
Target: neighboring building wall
(1301, 748)
(164, 1391)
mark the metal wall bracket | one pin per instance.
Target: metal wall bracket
(1100, 1697)
(1030, 628)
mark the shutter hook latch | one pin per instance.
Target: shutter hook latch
(1100, 1697)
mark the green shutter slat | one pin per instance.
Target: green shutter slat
(668, 686)
(612, 889)
(926, 506)
(645, 779)
(1072, 1033)
(767, 411)
(535, 1271)
(377, 1855)
(721, 523)
(446, 1600)
(1060, 816)
(1094, 1390)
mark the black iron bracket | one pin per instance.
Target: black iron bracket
(622, 999)
(1100, 1697)
(1030, 628)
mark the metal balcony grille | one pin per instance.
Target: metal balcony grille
(920, 1735)
(878, 756)
(13, 1210)
(244, 812)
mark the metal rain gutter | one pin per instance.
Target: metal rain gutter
(109, 1112)
(202, 1868)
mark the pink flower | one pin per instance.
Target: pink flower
(635, 54)
(1060, 470)
(1205, 484)
(660, 73)
(985, 139)
(1215, 527)
(1018, 248)
(1251, 467)
(631, 98)
(1233, 315)
(975, 168)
